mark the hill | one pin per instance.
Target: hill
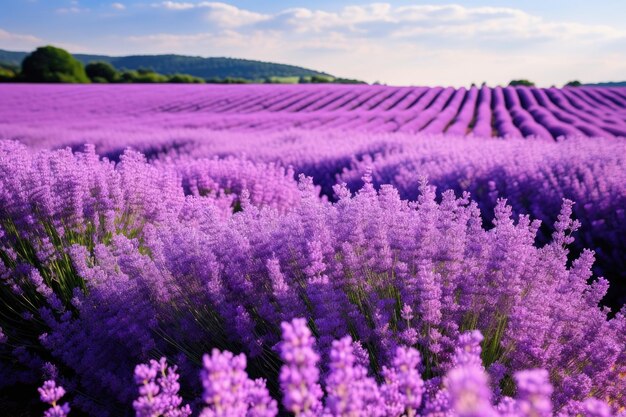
(12, 58)
(193, 65)
(608, 84)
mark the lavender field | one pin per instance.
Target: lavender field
(312, 250)
(515, 112)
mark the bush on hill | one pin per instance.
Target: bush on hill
(525, 83)
(102, 71)
(185, 79)
(7, 75)
(574, 83)
(52, 65)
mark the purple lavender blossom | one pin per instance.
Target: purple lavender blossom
(404, 387)
(225, 385)
(158, 391)
(533, 393)
(51, 393)
(228, 392)
(467, 351)
(299, 375)
(469, 392)
(350, 392)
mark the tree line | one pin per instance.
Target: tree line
(49, 64)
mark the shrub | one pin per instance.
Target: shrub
(573, 84)
(185, 79)
(526, 83)
(52, 65)
(102, 71)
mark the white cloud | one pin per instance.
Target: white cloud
(118, 6)
(8, 36)
(383, 19)
(26, 42)
(18, 41)
(413, 44)
(73, 8)
(66, 10)
(230, 16)
(221, 14)
(174, 5)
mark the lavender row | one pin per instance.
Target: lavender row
(482, 112)
(464, 391)
(105, 266)
(533, 176)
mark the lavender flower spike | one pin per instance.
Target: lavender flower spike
(51, 393)
(225, 385)
(158, 391)
(299, 376)
(469, 392)
(533, 393)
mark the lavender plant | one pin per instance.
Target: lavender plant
(465, 390)
(534, 177)
(50, 393)
(108, 265)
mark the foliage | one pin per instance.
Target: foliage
(184, 79)
(321, 79)
(103, 71)
(52, 65)
(282, 80)
(228, 80)
(7, 74)
(211, 68)
(525, 83)
(207, 68)
(143, 76)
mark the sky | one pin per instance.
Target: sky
(432, 42)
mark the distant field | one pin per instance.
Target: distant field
(45, 110)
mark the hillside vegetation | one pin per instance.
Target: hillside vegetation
(222, 70)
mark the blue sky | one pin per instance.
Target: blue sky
(431, 42)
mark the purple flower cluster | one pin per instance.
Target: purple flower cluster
(299, 376)
(533, 176)
(318, 130)
(50, 393)
(226, 179)
(466, 390)
(158, 391)
(228, 392)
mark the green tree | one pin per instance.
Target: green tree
(321, 79)
(185, 79)
(48, 64)
(228, 80)
(574, 83)
(7, 75)
(347, 81)
(143, 76)
(522, 82)
(102, 71)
